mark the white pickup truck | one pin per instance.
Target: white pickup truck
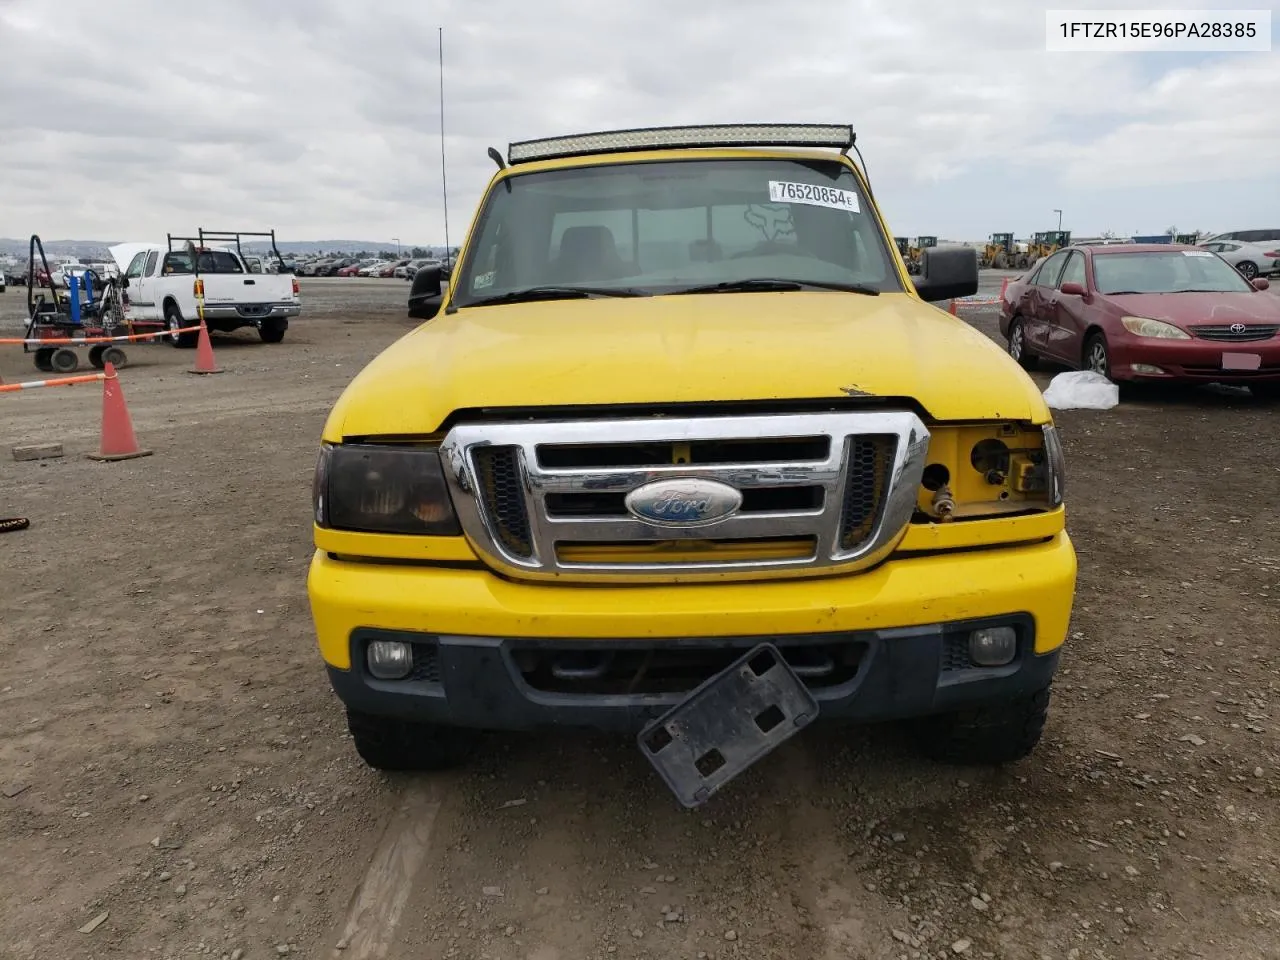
(160, 285)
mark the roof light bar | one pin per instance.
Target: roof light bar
(656, 138)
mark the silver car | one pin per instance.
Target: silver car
(1251, 259)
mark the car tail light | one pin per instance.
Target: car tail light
(1272, 253)
(296, 289)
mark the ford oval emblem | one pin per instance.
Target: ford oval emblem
(683, 502)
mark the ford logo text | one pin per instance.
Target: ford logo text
(684, 502)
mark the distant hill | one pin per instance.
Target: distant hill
(98, 248)
(57, 248)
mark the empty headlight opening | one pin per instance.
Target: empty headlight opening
(981, 471)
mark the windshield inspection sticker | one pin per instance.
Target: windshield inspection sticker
(483, 280)
(782, 191)
(1196, 253)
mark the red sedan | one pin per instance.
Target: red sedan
(1146, 312)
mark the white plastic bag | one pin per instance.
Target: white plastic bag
(1081, 390)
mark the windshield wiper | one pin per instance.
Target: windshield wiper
(554, 292)
(767, 284)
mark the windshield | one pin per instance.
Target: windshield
(661, 227)
(1178, 271)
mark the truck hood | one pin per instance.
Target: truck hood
(718, 347)
(122, 253)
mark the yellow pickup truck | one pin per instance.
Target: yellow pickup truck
(678, 398)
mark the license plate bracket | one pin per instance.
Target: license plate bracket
(728, 723)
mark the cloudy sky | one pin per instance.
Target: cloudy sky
(127, 119)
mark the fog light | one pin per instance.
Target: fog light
(993, 646)
(1147, 368)
(390, 659)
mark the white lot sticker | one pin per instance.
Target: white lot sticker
(483, 280)
(1196, 253)
(782, 191)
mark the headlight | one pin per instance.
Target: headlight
(1155, 329)
(383, 489)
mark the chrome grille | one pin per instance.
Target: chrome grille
(547, 500)
(498, 480)
(870, 458)
(1236, 332)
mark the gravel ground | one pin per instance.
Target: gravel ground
(172, 757)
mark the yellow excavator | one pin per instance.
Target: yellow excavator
(1047, 242)
(1002, 253)
(915, 253)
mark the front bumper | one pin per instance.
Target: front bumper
(1194, 360)
(888, 637)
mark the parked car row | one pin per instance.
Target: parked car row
(62, 271)
(403, 269)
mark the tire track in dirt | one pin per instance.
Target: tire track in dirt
(596, 858)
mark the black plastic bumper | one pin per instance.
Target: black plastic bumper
(478, 682)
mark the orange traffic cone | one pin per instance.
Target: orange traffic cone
(118, 441)
(204, 353)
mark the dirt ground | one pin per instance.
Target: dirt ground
(171, 755)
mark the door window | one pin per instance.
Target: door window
(150, 268)
(1047, 275)
(135, 266)
(1073, 272)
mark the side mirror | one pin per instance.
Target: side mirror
(947, 273)
(1072, 289)
(1261, 283)
(425, 294)
(124, 281)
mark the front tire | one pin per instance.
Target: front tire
(987, 735)
(1097, 355)
(1018, 345)
(386, 743)
(272, 329)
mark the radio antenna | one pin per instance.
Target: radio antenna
(444, 179)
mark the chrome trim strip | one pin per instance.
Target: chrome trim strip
(829, 473)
